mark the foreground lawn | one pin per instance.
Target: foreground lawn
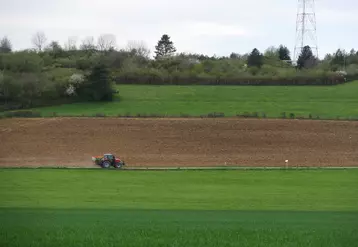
(178, 208)
(74, 228)
(324, 101)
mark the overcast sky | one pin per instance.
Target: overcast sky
(201, 26)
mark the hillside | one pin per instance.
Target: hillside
(58, 75)
(327, 102)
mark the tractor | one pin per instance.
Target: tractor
(108, 160)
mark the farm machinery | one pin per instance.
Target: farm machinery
(108, 160)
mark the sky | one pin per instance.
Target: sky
(209, 27)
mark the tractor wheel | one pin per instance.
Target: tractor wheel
(119, 164)
(105, 164)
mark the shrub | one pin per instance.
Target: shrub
(21, 62)
(97, 85)
(183, 115)
(100, 115)
(22, 114)
(7, 89)
(51, 90)
(74, 82)
(159, 77)
(66, 63)
(86, 62)
(352, 72)
(245, 115)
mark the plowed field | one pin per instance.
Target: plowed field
(178, 142)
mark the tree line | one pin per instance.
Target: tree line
(51, 73)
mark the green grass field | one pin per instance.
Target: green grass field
(324, 101)
(73, 207)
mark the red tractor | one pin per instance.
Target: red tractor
(108, 160)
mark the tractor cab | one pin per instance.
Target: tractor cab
(109, 157)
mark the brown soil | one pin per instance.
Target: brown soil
(178, 142)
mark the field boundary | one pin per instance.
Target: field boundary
(186, 168)
(29, 114)
(113, 117)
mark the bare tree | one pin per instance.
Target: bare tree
(138, 48)
(88, 44)
(106, 42)
(39, 40)
(71, 43)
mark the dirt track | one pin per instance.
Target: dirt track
(178, 142)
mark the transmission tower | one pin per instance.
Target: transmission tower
(306, 28)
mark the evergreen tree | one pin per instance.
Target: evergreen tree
(255, 59)
(234, 56)
(5, 45)
(352, 57)
(284, 53)
(338, 58)
(165, 47)
(306, 58)
(98, 84)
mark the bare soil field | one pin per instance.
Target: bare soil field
(71, 142)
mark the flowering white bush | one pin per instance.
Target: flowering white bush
(341, 72)
(71, 90)
(76, 79)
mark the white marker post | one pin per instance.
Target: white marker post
(286, 161)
